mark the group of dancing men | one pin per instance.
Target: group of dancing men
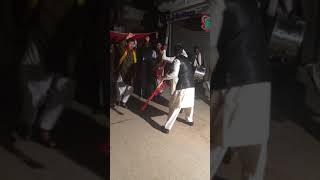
(240, 86)
(142, 69)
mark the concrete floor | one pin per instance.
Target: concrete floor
(293, 155)
(139, 151)
(55, 165)
(77, 156)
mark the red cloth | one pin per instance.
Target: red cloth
(116, 36)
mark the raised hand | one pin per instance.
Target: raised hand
(165, 47)
(130, 35)
(147, 38)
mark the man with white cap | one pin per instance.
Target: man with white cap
(183, 94)
(174, 81)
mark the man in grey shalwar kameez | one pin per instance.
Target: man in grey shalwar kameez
(241, 89)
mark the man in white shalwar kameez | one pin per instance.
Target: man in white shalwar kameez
(174, 81)
(183, 95)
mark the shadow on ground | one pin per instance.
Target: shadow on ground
(200, 93)
(80, 138)
(8, 145)
(134, 105)
(288, 100)
(161, 100)
(7, 127)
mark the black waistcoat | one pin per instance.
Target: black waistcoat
(185, 74)
(242, 47)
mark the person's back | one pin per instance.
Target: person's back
(242, 46)
(185, 74)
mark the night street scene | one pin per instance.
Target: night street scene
(160, 90)
(54, 124)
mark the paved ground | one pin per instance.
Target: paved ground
(293, 155)
(54, 165)
(77, 156)
(139, 151)
(295, 140)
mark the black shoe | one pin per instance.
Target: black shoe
(25, 132)
(164, 130)
(190, 123)
(124, 105)
(46, 140)
(228, 157)
(218, 178)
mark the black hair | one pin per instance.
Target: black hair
(159, 42)
(178, 49)
(130, 40)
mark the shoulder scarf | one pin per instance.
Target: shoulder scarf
(125, 54)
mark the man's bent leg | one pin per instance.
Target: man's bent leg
(120, 87)
(217, 151)
(127, 93)
(253, 159)
(59, 96)
(189, 113)
(172, 118)
(216, 155)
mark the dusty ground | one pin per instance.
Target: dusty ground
(293, 155)
(139, 151)
(79, 136)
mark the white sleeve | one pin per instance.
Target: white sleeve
(184, 53)
(175, 72)
(154, 54)
(199, 59)
(165, 58)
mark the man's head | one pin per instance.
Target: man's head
(178, 49)
(196, 50)
(131, 43)
(159, 46)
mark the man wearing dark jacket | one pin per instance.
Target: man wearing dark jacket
(146, 64)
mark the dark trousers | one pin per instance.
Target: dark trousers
(146, 80)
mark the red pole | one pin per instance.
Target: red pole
(161, 86)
